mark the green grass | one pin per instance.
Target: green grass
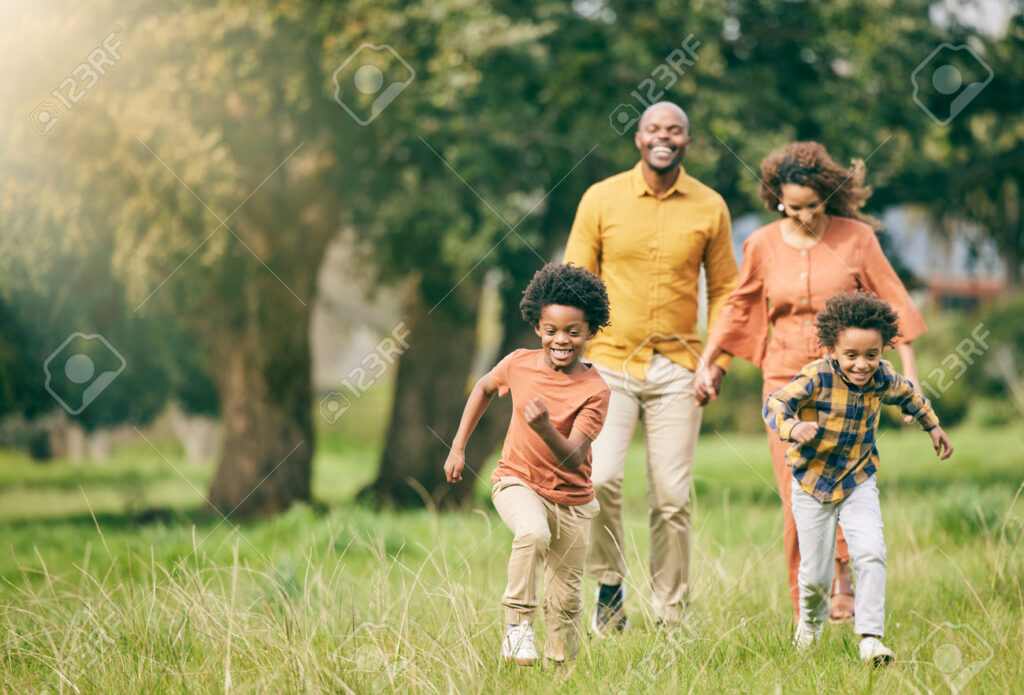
(344, 598)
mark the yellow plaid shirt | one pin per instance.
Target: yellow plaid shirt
(842, 454)
(649, 252)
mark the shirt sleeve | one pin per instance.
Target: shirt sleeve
(590, 419)
(781, 408)
(876, 274)
(499, 375)
(900, 392)
(720, 272)
(741, 327)
(584, 246)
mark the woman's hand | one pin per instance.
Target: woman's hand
(706, 384)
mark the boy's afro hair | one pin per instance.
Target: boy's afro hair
(568, 285)
(856, 309)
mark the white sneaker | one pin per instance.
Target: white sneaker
(872, 649)
(805, 636)
(518, 646)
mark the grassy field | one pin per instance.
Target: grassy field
(343, 598)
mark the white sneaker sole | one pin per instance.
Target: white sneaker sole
(880, 656)
(883, 659)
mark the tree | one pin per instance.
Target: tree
(204, 165)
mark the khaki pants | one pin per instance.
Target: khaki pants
(671, 423)
(552, 535)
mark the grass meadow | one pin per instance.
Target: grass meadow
(341, 598)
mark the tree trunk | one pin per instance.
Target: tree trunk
(263, 379)
(430, 393)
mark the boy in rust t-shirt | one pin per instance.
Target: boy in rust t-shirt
(542, 488)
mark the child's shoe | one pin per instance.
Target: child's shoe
(872, 649)
(518, 646)
(805, 636)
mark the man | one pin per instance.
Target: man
(646, 232)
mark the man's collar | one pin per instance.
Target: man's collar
(640, 187)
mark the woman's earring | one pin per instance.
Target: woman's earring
(781, 207)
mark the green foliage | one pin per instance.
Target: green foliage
(738, 408)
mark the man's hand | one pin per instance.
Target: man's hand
(454, 465)
(940, 441)
(707, 384)
(804, 432)
(536, 414)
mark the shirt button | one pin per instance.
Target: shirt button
(807, 322)
(803, 252)
(803, 300)
(803, 276)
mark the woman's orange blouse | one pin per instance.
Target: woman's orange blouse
(769, 318)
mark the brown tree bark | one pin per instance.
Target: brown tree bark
(430, 393)
(262, 370)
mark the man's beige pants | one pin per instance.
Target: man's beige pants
(671, 423)
(552, 535)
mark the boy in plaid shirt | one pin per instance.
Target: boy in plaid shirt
(830, 411)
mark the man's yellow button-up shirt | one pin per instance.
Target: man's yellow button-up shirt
(649, 252)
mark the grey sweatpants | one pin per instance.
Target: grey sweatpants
(860, 517)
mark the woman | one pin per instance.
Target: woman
(821, 245)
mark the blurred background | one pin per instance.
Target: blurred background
(253, 254)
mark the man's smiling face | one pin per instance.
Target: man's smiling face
(662, 137)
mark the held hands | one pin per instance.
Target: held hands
(454, 465)
(940, 441)
(707, 384)
(804, 432)
(536, 414)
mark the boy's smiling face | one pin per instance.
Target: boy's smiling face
(563, 332)
(858, 351)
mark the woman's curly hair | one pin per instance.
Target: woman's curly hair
(856, 309)
(809, 164)
(568, 285)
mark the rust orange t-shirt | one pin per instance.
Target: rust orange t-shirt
(573, 400)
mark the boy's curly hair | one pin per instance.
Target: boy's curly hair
(856, 309)
(568, 285)
(809, 164)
